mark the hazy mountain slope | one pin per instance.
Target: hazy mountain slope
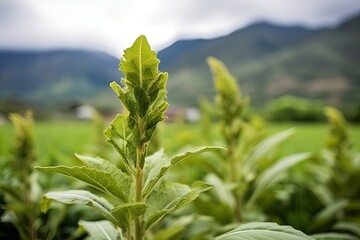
(268, 60)
(271, 60)
(55, 76)
(325, 66)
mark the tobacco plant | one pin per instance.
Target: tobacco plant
(251, 165)
(21, 188)
(134, 195)
(340, 190)
(240, 176)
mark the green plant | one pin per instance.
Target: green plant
(134, 195)
(252, 167)
(21, 188)
(323, 199)
(291, 108)
(340, 190)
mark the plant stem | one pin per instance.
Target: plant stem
(140, 155)
(129, 231)
(234, 177)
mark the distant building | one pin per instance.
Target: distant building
(84, 112)
(188, 114)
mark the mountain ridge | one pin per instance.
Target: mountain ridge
(269, 61)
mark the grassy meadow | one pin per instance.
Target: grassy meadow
(56, 140)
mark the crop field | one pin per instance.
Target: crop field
(139, 177)
(69, 137)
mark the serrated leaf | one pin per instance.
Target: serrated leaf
(128, 211)
(265, 147)
(126, 96)
(333, 236)
(104, 181)
(271, 175)
(101, 230)
(119, 135)
(106, 166)
(82, 197)
(158, 164)
(169, 197)
(139, 63)
(263, 231)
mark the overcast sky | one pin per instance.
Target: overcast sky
(112, 25)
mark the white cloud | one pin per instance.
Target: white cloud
(112, 25)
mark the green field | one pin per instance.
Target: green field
(62, 139)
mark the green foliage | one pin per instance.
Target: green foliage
(247, 173)
(263, 231)
(342, 201)
(252, 168)
(290, 108)
(21, 188)
(134, 195)
(329, 185)
(101, 230)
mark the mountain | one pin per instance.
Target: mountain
(268, 60)
(46, 78)
(189, 72)
(271, 61)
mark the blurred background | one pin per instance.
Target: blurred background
(297, 157)
(56, 56)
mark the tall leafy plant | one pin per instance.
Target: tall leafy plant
(21, 188)
(340, 190)
(134, 195)
(251, 166)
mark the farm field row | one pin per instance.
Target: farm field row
(68, 137)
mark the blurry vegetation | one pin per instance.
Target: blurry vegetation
(302, 176)
(290, 108)
(21, 190)
(133, 196)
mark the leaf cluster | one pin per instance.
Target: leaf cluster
(133, 196)
(21, 188)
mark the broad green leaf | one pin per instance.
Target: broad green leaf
(272, 174)
(169, 197)
(128, 211)
(263, 231)
(79, 197)
(139, 63)
(101, 180)
(106, 166)
(265, 147)
(333, 236)
(158, 164)
(101, 230)
(329, 213)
